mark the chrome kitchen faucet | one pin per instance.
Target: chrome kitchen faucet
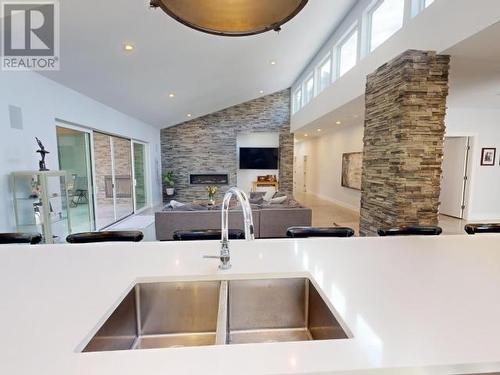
(224, 256)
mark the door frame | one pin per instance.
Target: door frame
(90, 130)
(305, 173)
(469, 170)
(147, 181)
(90, 168)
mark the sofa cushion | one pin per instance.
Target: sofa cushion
(186, 207)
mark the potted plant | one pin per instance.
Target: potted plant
(168, 179)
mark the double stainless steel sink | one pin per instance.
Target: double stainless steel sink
(177, 314)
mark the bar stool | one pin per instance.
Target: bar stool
(26, 238)
(207, 235)
(411, 230)
(118, 236)
(482, 228)
(306, 232)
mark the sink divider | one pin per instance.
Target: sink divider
(222, 333)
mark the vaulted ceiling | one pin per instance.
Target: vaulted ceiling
(205, 72)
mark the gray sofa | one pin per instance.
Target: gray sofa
(269, 222)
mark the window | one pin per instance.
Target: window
(428, 2)
(308, 89)
(385, 19)
(324, 73)
(297, 100)
(348, 53)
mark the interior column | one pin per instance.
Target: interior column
(403, 141)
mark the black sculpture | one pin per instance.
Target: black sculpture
(42, 152)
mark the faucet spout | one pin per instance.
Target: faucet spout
(247, 214)
(224, 256)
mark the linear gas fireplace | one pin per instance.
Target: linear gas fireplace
(209, 179)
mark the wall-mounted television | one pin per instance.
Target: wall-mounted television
(259, 158)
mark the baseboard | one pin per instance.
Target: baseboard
(483, 218)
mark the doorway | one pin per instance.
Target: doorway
(73, 147)
(454, 178)
(107, 176)
(113, 179)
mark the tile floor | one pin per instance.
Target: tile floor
(326, 213)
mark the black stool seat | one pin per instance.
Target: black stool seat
(207, 235)
(118, 236)
(29, 238)
(482, 228)
(411, 230)
(306, 232)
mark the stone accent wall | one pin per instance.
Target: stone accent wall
(403, 142)
(208, 144)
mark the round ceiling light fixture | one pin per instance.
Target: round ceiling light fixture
(232, 17)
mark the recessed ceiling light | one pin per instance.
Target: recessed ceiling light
(128, 47)
(261, 91)
(319, 130)
(272, 62)
(306, 135)
(171, 95)
(338, 122)
(189, 115)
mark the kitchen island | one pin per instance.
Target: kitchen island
(410, 305)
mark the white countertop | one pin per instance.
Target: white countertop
(409, 302)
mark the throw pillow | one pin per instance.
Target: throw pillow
(257, 194)
(268, 195)
(279, 194)
(257, 200)
(279, 200)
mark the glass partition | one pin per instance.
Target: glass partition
(140, 176)
(73, 147)
(113, 170)
(122, 173)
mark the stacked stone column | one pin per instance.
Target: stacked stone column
(403, 141)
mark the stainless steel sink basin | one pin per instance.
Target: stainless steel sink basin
(166, 315)
(161, 315)
(279, 310)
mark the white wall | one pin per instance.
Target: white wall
(464, 18)
(42, 102)
(483, 125)
(245, 177)
(325, 161)
(325, 164)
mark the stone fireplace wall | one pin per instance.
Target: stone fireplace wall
(207, 144)
(403, 141)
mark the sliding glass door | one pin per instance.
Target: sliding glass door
(122, 163)
(107, 179)
(113, 175)
(73, 148)
(140, 191)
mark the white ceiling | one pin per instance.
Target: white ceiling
(475, 71)
(207, 73)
